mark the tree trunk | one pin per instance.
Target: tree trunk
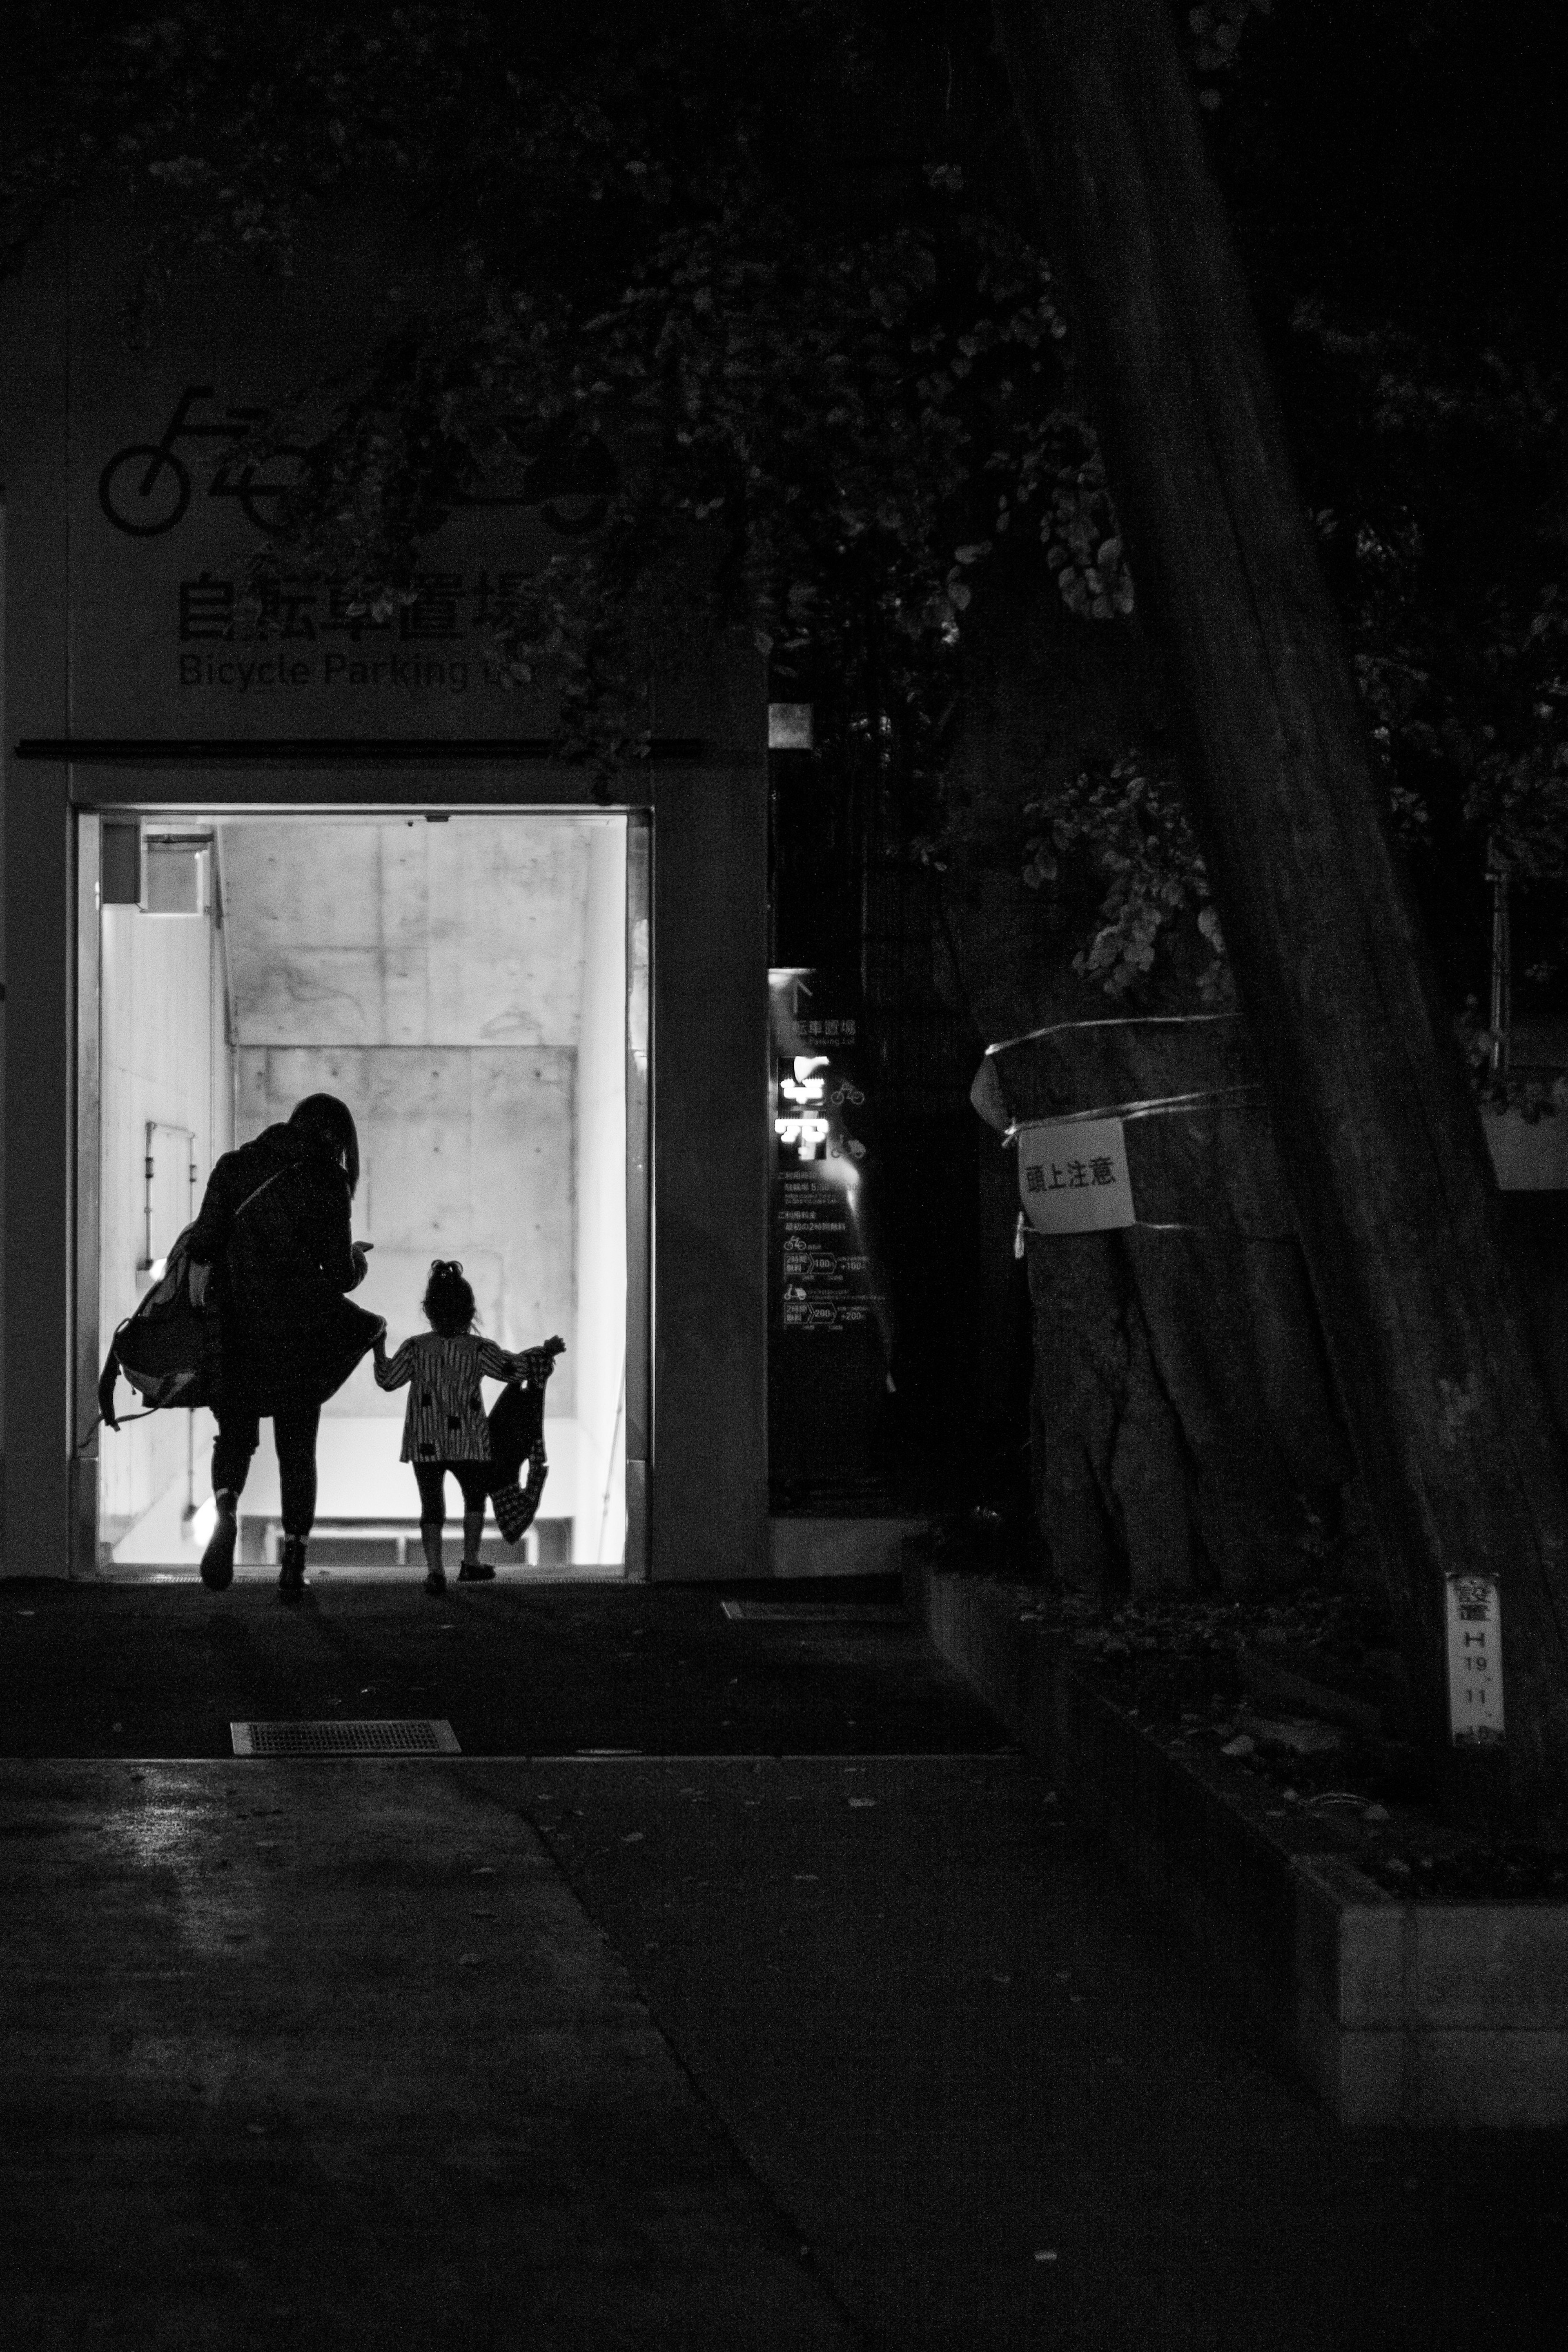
(1184, 1437)
(1382, 1144)
(1224, 1449)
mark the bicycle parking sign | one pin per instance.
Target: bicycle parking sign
(196, 612)
(146, 489)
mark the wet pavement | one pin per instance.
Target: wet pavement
(329, 2054)
(811, 2046)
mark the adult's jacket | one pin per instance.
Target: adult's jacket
(281, 1255)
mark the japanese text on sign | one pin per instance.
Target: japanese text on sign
(1475, 1662)
(1072, 1175)
(440, 607)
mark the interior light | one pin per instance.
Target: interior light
(203, 1520)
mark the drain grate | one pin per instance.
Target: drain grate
(403, 1736)
(816, 1612)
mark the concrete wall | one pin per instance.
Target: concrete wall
(462, 987)
(37, 929)
(405, 932)
(463, 1153)
(162, 1059)
(3, 1185)
(467, 1153)
(710, 1169)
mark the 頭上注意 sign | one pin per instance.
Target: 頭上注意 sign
(1072, 1175)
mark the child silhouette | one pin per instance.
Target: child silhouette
(445, 1427)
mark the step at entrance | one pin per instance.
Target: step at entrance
(816, 1612)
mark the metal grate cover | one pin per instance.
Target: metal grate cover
(406, 1736)
(817, 1612)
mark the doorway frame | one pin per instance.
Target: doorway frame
(90, 1340)
(703, 1497)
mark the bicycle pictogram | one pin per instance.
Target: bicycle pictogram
(145, 489)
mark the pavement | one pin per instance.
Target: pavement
(817, 2022)
(517, 1667)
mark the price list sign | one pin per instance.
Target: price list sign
(828, 1310)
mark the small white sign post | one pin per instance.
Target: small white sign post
(1072, 1175)
(1475, 1662)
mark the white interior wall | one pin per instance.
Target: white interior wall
(464, 1153)
(404, 932)
(462, 987)
(162, 1058)
(601, 1236)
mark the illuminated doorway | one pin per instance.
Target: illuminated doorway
(470, 984)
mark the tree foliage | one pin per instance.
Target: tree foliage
(1116, 846)
(1409, 294)
(846, 416)
(843, 397)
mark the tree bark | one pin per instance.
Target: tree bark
(1209, 1347)
(1382, 1143)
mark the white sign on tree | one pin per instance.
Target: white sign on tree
(1475, 1661)
(1072, 1175)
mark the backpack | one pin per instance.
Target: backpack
(168, 1347)
(517, 1436)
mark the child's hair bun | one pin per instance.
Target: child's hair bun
(449, 1298)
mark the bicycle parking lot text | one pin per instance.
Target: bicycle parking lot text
(409, 675)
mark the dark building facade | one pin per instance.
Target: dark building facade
(391, 889)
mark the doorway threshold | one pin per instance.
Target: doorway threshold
(262, 1573)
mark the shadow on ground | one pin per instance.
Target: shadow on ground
(106, 1669)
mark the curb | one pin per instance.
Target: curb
(1424, 2014)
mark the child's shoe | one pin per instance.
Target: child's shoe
(476, 1572)
(435, 1580)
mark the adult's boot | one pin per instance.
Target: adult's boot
(217, 1560)
(291, 1575)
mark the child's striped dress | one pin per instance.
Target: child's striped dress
(445, 1417)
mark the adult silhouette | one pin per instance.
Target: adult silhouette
(274, 1247)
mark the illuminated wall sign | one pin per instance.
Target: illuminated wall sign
(802, 1125)
(1072, 1175)
(1475, 1662)
(825, 1277)
(829, 1328)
